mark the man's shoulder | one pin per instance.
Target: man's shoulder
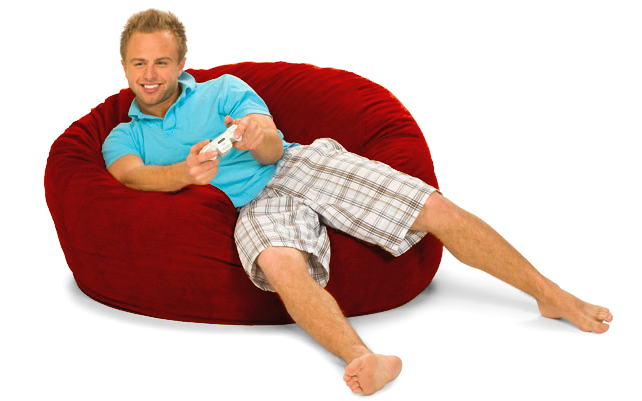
(220, 82)
(224, 94)
(221, 89)
(125, 128)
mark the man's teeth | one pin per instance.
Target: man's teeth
(150, 86)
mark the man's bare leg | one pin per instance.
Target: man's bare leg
(476, 244)
(316, 312)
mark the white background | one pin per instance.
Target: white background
(532, 111)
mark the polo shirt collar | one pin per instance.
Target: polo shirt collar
(186, 83)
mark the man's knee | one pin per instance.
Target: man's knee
(282, 263)
(437, 214)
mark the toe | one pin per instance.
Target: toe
(597, 327)
(353, 367)
(604, 314)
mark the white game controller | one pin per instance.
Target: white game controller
(223, 143)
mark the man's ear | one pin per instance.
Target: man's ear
(124, 66)
(181, 65)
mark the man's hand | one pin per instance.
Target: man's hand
(198, 169)
(259, 136)
(247, 129)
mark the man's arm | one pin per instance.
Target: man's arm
(196, 169)
(260, 137)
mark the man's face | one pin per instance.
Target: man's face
(152, 69)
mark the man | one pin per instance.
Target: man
(159, 151)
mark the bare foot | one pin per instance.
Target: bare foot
(585, 316)
(369, 373)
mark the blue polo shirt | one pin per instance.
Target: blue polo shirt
(197, 114)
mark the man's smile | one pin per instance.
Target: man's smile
(150, 88)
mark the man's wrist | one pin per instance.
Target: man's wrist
(180, 174)
(271, 149)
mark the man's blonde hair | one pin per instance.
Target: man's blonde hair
(150, 21)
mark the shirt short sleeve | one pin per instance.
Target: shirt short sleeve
(241, 99)
(118, 144)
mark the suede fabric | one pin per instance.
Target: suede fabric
(172, 255)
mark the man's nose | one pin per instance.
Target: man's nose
(150, 72)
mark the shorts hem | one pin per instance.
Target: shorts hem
(256, 275)
(408, 237)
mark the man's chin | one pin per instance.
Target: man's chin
(147, 103)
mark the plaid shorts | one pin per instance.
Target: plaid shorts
(321, 185)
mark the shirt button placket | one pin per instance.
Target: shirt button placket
(169, 123)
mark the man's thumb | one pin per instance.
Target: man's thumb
(199, 146)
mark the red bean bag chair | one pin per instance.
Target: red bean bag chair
(172, 255)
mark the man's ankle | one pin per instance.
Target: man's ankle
(356, 353)
(549, 292)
